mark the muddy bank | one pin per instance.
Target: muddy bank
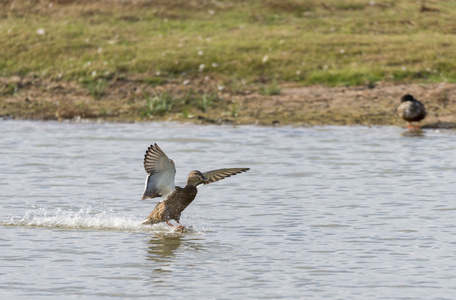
(135, 100)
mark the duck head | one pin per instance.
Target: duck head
(407, 97)
(196, 178)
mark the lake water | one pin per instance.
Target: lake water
(324, 212)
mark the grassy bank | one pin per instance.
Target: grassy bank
(338, 42)
(237, 46)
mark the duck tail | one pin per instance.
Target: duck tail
(149, 221)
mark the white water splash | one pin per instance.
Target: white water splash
(85, 219)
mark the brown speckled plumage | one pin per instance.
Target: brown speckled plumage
(173, 206)
(160, 183)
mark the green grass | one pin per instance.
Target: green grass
(270, 89)
(338, 42)
(159, 104)
(8, 89)
(207, 101)
(156, 105)
(95, 86)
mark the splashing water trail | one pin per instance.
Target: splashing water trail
(85, 219)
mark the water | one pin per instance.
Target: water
(324, 212)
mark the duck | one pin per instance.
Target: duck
(411, 110)
(161, 172)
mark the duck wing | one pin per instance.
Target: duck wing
(412, 111)
(216, 175)
(160, 173)
(420, 110)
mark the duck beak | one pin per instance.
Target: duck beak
(205, 180)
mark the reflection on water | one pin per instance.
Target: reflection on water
(324, 213)
(418, 132)
(163, 246)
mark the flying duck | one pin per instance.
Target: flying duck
(160, 183)
(411, 110)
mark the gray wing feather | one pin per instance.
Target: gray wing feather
(216, 175)
(160, 173)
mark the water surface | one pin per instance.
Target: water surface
(324, 212)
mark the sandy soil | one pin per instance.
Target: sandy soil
(123, 100)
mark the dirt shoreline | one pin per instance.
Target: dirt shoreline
(122, 100)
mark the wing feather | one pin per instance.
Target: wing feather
(216, 175)
(160, 173)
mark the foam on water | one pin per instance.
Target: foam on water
(85, 219)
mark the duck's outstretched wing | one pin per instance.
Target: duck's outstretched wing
(160, 173)
(216, 175)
